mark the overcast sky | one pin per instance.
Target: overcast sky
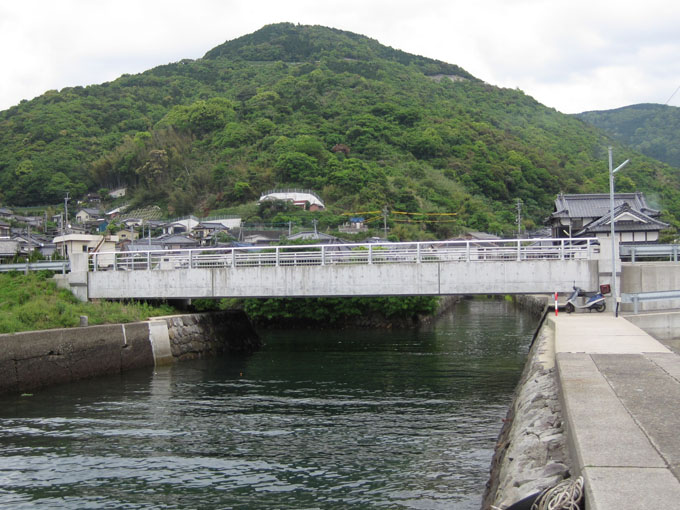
(572, 55)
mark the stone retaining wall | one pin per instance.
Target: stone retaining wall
(40, 358)
(531, 453)
(207, 334)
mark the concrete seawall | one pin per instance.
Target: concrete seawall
(40, 358)
(531, 452)
(597, 398)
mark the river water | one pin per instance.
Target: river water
(350, 419)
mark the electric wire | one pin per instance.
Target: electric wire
(669, 99)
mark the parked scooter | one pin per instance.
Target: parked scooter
(595, 302)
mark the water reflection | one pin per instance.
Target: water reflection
(331, 419)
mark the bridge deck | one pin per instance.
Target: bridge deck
(620, 389)
(513, 266)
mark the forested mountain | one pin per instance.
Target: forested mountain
(364, 125)
(652, 129)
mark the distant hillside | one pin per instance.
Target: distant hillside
(364, 125)
(652, 129)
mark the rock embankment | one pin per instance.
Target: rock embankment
(531, 452)
(207, 334)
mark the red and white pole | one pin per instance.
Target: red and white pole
(555, 304)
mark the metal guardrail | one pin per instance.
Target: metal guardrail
(43, 265)
(637, 298)
(327, 254)
(643, 251)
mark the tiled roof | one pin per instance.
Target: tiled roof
(642, 222)
(596, 205)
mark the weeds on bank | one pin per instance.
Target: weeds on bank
(33, 301)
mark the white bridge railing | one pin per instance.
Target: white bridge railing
(327, 254)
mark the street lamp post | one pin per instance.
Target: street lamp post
(611, 221)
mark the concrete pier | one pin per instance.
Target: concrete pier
(620, 391)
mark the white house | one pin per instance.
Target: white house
(299, 197)
(87, 243)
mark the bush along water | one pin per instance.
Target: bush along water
(33, 302)
(334, 312)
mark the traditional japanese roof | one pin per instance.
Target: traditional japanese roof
(142, 245)
(596, 205)
(8, 248)
(625, 219)
(177, 239)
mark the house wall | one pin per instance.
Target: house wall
(83, 217)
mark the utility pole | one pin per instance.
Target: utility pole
(315, 221)
(612, 171)
(385, 220)
(66, 199)
(519, 218)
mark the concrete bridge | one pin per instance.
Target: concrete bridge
(516, 266)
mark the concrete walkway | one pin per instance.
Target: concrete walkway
(620, 392)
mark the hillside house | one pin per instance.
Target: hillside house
(207, 231)
(88, 215)
(354, 225)
(180, 226)
(588, 215)
(6, 213)
(29, 242)
(31, 221)
(4, 230)
(305, 199)
(177, 242)
(8, 249)
(127, 235)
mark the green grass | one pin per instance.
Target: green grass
(33, 301)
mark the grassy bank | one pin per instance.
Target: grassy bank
(33, 301)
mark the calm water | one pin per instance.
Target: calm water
(316, 419)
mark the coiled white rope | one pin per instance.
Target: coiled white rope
(566, 495)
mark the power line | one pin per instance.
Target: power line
(669, 99)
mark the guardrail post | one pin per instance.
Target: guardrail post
(519, 250)
(467, 251)
(632, 254)
(418, 253)
(562, 249)
(277, 257)
(323, 255)
(191, 259)
(233, 258)
(93, 258)
(148, 261)
(675, 253)
(370, 254)
(636, 300)
(115, 261)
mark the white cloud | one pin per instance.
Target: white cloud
(572, 55)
